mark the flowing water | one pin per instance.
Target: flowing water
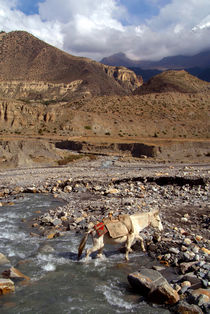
(60, 284)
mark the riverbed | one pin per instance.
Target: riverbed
(58, 283)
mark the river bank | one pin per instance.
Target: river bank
(92, 189)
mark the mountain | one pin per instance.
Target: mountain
(174, 81)
(25, 58)
(200, 61)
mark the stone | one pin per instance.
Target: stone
(187, 241)
(186, 308)
(14, 273)
(174, 250)
(112, 191)
(189, 256)
(3, 259)
(206, 251)
(201, 295)
(56, 222)
(163, 294)
(6, 286)
(67, 189)
(194, 280)
(184, 267)
(46, 249)
(145, 280)
(52, 235)
(186, 283)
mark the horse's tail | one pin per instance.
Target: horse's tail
(82, 244)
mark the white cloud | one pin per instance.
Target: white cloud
(94, 28)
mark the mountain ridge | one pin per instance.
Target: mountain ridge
(26, 58)
(198, 64)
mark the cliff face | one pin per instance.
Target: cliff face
(124, 77)
(22, 90)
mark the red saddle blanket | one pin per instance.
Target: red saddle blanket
(100, 229)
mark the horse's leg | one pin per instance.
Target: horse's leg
(130, 239)
(97, 245)
(141, 241)
(100, 252)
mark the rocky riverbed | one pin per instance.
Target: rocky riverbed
(92, 189)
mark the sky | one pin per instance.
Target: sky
(142, 29)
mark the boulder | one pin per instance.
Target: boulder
(6, 286)
(3, 259)
(145, 280)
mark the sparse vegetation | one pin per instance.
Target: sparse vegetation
(87, 127)
(68, 159)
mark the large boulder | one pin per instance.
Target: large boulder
(152, 285)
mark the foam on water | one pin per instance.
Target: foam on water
(114, 296)
(14, 236)
(49, 267)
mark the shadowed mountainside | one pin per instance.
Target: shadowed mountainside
(197, 65)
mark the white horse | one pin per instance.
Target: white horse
(139, 222)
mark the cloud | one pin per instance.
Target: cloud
(96, 28)
(12, 19)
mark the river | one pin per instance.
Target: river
(58, 283)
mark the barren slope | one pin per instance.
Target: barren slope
(26, 58)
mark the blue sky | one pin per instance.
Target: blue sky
(142, 29)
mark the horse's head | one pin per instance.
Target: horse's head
(155, 220)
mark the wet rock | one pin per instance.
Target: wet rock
(6, 286)
(151, 284)
(145, 280)
(3, 259)
(46, 249)
(53, 234)
(14, 273)
(33, 234)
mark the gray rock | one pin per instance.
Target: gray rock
(184, 307)
(174, 250)
(145, 280)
